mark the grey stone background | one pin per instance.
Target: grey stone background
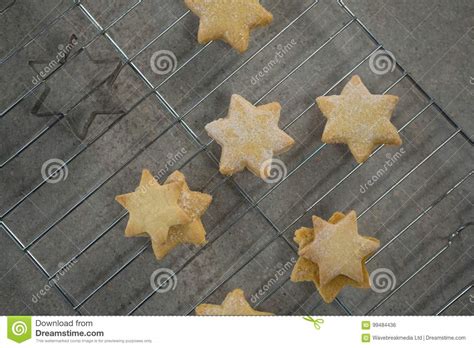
(433, 40)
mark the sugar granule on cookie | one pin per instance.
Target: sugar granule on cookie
(233, 304)
(169, 214)
(229, 20)
(306, 269)
(359, 119)
(249, 136)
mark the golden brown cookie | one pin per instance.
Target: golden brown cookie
(359, 119)
(153, 208)
(307, 270)
(169, 214)
(228, 20)
(234, 304)
(249, 137)
(195, 205)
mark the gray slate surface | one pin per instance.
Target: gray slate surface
(430, 39)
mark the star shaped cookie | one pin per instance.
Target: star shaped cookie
(359, 119)
(169, 214)
(249, 137)
(346, 253)
(228, 20)
(234, 304)
(195, 205)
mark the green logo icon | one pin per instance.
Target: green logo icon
(365, 325)
(316, 322)
(365, 338)
(19, 328)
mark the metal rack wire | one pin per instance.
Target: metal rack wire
(179, 120)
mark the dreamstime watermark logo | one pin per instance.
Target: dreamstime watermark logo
(273, 170)
(281, 271)
(391, 160)
(382, 62)
(163, 280)
(163, 62)
(282, 51)
(19, 328)
(60, 58)
(382, 280)
(172, 160)
(471, 80)
(54, 170)
(63, 269)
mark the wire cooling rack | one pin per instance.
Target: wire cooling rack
(452, 132)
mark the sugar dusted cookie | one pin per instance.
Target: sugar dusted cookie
(234, 304)
(359, 119)
(169, 214)
(228, 20)
(340, 253)
(249, 137)
(195, 205)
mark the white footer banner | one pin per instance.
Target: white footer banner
(171, 331)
